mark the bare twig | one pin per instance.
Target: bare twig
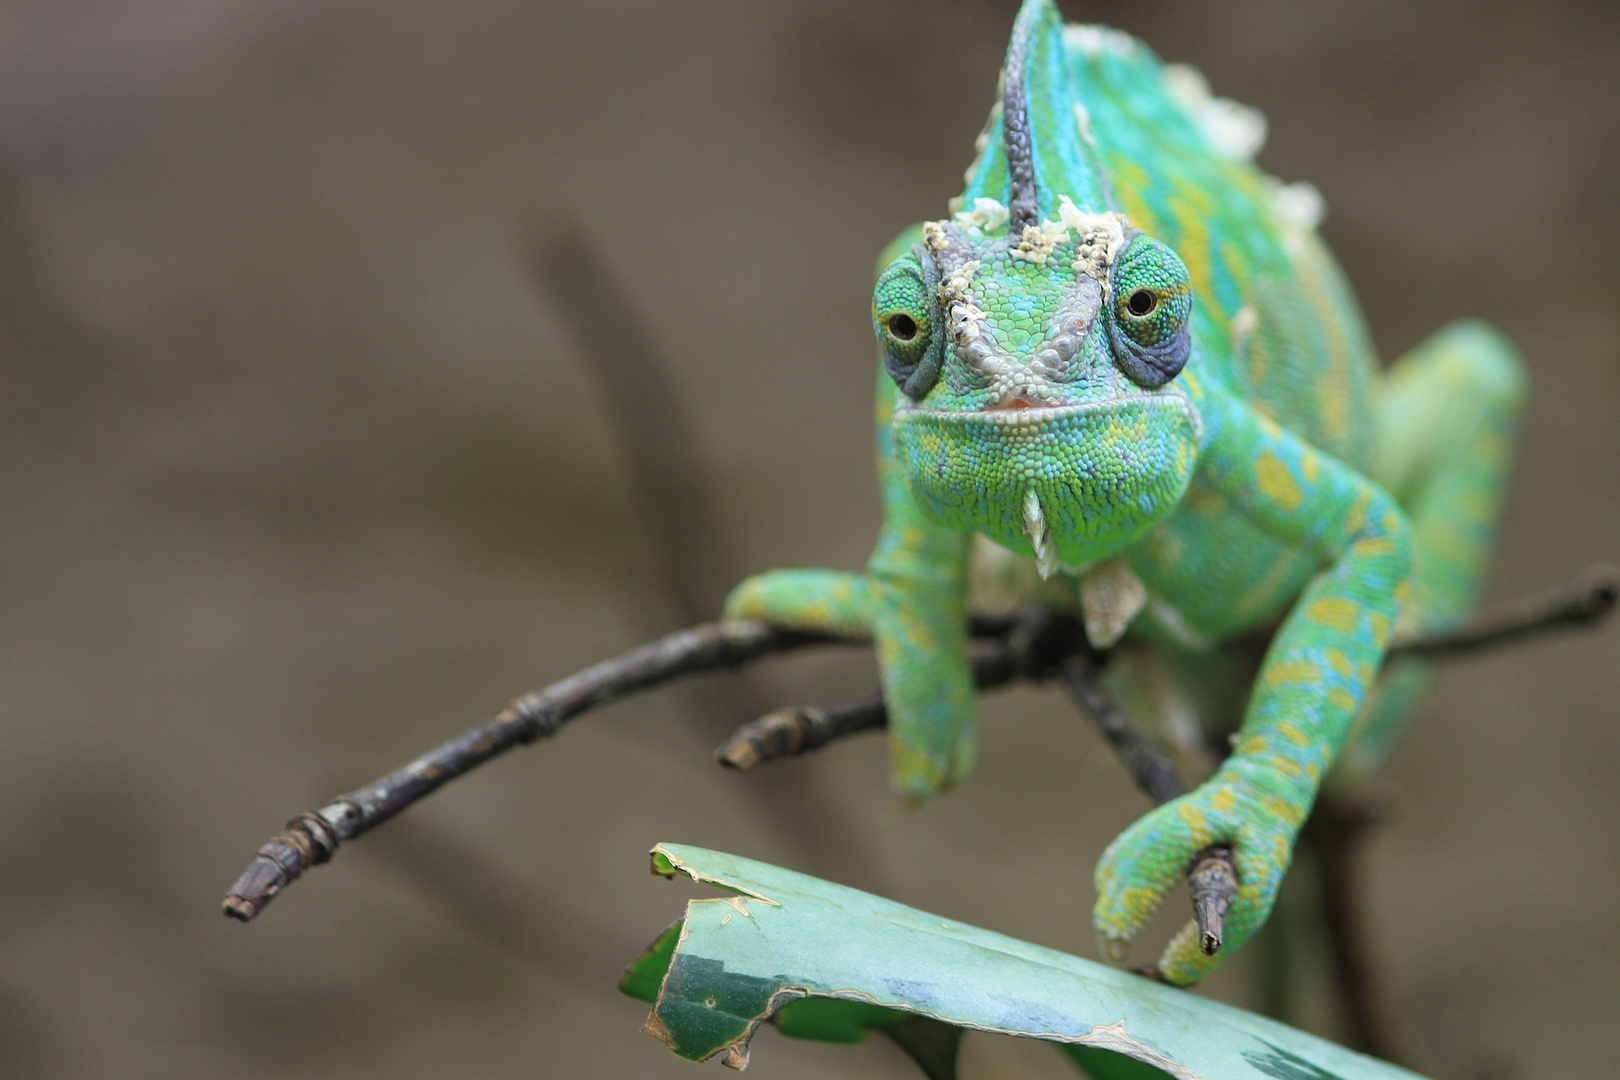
(1213, 881)
(1581, 601)
(311, 838)
(1030, 647)
(1212, 875)
(1333, 831)
(692, 556)
(1149, 767)
(1037, 646)
(799, 729)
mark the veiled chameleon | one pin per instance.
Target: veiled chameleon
(1127, 358)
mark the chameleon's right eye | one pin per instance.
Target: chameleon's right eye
(1152, 306)
(908, 324)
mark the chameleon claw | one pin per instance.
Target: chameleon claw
(1116, 949)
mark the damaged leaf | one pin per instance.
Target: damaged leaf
(827, 962)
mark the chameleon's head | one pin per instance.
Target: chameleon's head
(1037, 354)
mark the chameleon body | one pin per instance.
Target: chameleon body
(1128, 362)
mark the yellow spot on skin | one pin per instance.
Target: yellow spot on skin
(1196, 824)
(1293, 734)
(1223, 801)
(1342, 700)
(1251, 744)
(1284, 811)
(1335, 398)
(1334, 611)
(1339, 662)
(1293, 671)
(1277, 483)
(1140, 903)
(1373, 546)
(1287, 768)
(1309, 467)
(1357, 518)
(1380, 628)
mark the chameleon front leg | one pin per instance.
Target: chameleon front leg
(912, 602)
(1448, 416)
(1304, 700)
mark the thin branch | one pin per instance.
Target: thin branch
(644, 404)
(1333, 831)
(1149, 766)
(1583, 600)
(1030, 648)
(311, 838)
(798, 729)
(1212, 874)
(692, 556)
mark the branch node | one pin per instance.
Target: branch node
(785, 732)
(538, 719)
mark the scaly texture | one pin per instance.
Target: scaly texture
(1128, 344)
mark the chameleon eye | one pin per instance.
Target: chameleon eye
(1149, 334)
(908, 324)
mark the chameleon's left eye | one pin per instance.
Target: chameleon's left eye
(1152, 306)
(907, 320)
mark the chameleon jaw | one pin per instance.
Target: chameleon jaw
(1070, 485)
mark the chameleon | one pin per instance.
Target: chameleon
(1125, 376)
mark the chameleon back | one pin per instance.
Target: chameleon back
(1274, 316)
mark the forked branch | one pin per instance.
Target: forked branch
(1005, 650)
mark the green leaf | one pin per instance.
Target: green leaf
(830, 962)
(643, 978)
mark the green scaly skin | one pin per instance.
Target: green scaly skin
(1033, 392)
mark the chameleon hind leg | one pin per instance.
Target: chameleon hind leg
(1447, 420)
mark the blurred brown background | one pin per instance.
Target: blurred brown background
(302, 473)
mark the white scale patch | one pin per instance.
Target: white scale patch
(1231, 130)
(1095, 41)
(987, 215)
(1298, 205)
(1101, 237)
(1038, 241)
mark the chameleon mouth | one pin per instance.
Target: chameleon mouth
(1020, 415)
(1066, 484)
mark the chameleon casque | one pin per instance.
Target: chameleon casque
(1129, 364)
